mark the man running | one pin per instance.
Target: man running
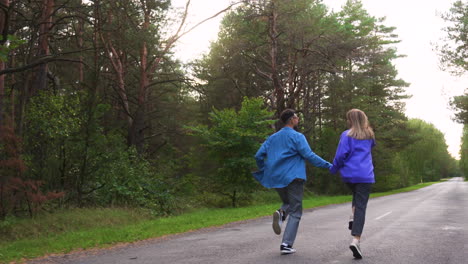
(281, 163)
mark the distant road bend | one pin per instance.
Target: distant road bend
(429, 225)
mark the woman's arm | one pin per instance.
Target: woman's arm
(342, 153)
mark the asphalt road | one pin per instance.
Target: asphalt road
(429, 225)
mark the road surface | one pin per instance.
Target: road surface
(429, 225)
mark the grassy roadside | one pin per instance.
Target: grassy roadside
(97, 228)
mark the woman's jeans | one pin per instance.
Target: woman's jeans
(361, 193)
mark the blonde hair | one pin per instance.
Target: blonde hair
(359, 125)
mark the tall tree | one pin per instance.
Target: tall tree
(464, 152)
(4, 19)
(322, 64)
(39, 82)
(453, 49)
(453, 58)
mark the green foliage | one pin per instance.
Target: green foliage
(72, 152)
(460, 106)
(228, 70)
(54, 117)
(321, 181)
(12, 42)
(464, 152)
(125, 179)
(453, 50)
(232, 141)
(425, 159)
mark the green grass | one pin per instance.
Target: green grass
(68, 220)
(406, 189)
(75, 229)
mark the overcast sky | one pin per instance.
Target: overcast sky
(418, 25)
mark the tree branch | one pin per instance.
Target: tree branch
(40, 61)
(203, 21)
(171, 40)
(264, 74)
(44, 59)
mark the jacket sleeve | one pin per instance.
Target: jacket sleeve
(307, 153)
(342, 153)
(261, 155)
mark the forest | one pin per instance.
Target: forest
(96, 111)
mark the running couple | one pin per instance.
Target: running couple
(281, 163)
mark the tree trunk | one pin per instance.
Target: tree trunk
(12, 94)
(23, 98)
(4, 32)
(80, 47)
(234, 199)
(117, 60)
(40, 73)
(277, 84)
(2, 93)
(136, 133)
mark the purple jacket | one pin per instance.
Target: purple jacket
(353, 159)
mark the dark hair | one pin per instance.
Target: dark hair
(286, 115)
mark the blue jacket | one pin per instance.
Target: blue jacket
(353, 159)
(281, 159)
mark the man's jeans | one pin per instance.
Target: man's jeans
(361, 193)
(291, 196)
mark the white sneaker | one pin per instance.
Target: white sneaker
(277, 222)
(287, 249)
(356, 249)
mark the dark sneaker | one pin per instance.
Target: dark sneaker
(277, 222)
(356, 249)
(287, 249)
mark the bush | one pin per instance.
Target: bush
(231, 142)
(128, 179)
(18, 194)
(69, 149)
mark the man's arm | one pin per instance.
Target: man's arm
(261, 154)
(307, 153)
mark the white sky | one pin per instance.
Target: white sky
(418, 25)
